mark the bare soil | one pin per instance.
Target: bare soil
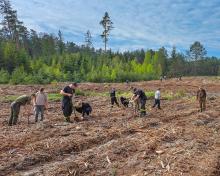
(177, 140)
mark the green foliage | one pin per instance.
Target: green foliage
(28, 58)
(5, 77)
(54, 97)
(19, 76)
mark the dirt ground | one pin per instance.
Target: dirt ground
(177, 140)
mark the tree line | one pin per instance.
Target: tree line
(27, 57)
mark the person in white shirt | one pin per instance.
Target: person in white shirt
(41, 103)
(157, 99)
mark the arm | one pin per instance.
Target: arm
(65, 94)
(132, 98)
(197, 95)
(34, 101)
(136, 97)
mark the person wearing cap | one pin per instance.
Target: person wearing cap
(40, 103)
(67, 104)
(16, 105)
(157, 99)
(201, 97)
(139, 95)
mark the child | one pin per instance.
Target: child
(157, 99)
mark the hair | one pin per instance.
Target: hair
(33, 95)
(41, 89)
(74, 84)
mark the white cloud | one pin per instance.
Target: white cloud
(137, 23)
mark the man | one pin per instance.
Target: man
(113, 98)
(84, 109)
(67, 105)
(141, 96)
(201, 97)
(15, 107)
(157, 99)
(41, 103)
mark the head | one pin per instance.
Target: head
(134, 90)
(159, 88)
(113, 89)
(41, 89)
(33, 95)
(73, 85)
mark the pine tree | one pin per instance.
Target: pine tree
(61, 45)
(88, 39)
(107, 25)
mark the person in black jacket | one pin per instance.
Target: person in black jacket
(84, 109)
(113, 98)
(67, 105)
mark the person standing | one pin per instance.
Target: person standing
(67, 104)
(41, 104)
(157, 99)
(16, 105)
(113, 98)
(141, 96)
(201, 97)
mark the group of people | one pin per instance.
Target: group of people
(139, 97)
(40, 103)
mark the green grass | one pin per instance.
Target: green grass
(54, 97)
(8, 98)
(150, 94)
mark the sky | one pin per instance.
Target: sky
(147, 24)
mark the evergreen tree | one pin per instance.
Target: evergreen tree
(197, 51)
(61, 45)
(88, 39)
(107, 24)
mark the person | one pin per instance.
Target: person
(165, 77)
(139, 95)
(157, 99)
(67, 104)
(201, 97)
(40, 103)
(161, 78)
(113, 98)
(84, 109)
(16, 105)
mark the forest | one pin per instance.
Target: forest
(30, 57)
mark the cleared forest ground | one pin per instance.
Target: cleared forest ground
(177, 140)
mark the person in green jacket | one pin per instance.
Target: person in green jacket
(15, 107)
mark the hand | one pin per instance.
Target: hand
(70, 95)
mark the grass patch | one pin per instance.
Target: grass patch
(150, 95)
(54, 97)
(8, 98)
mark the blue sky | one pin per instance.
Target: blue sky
(137, 23)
